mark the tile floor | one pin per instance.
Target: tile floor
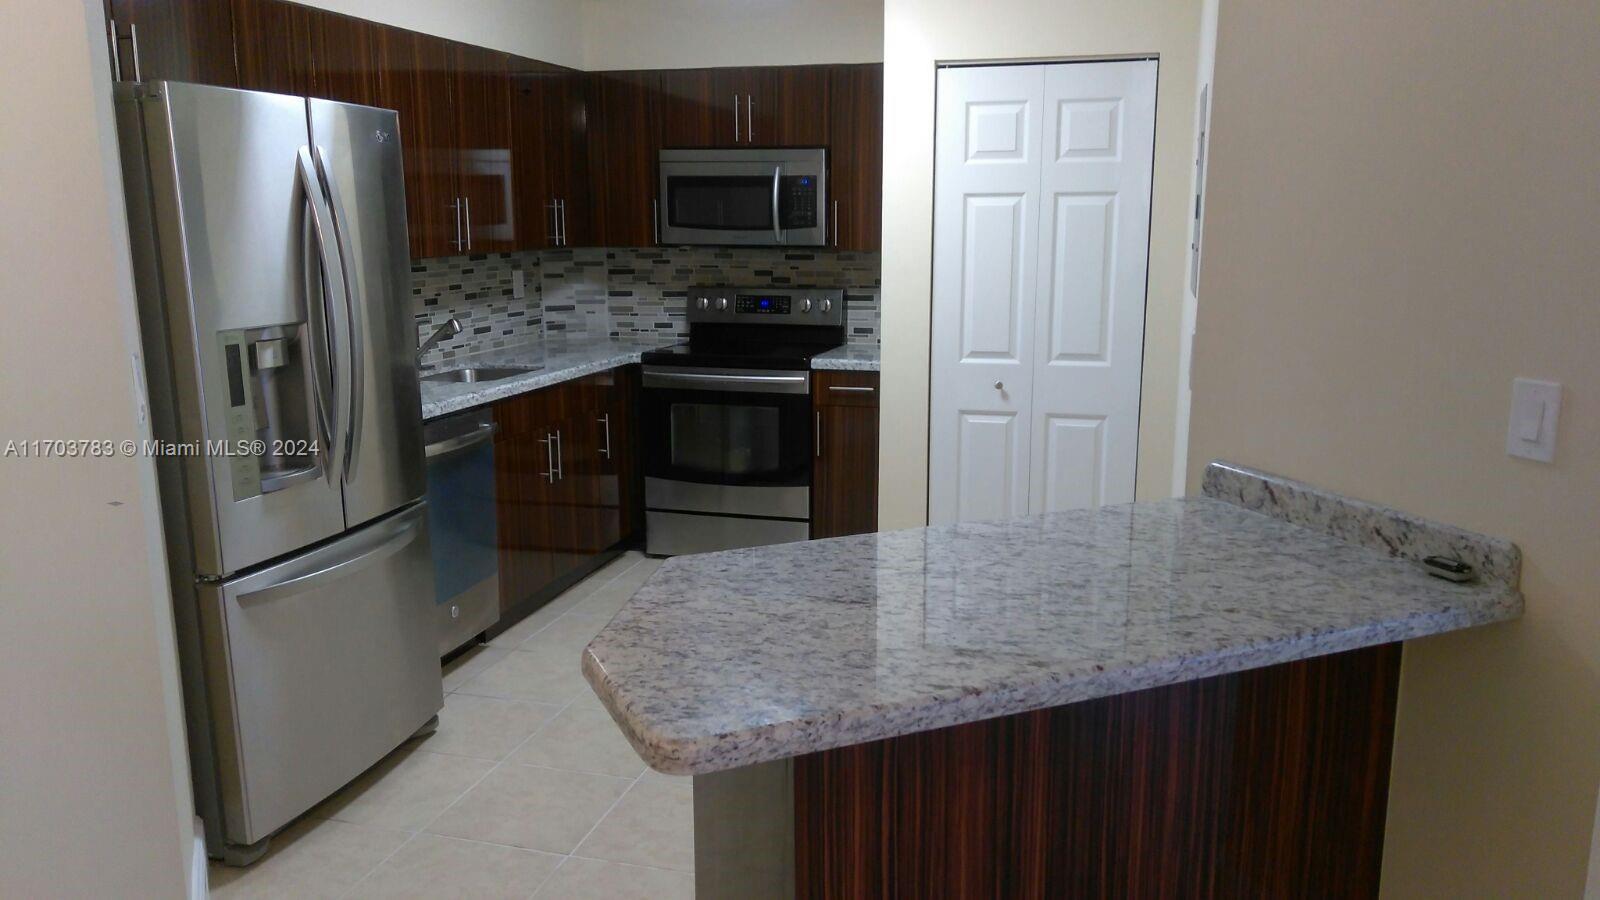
(527, 790)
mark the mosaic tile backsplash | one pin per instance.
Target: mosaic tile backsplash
(477, 290)
(620, 292)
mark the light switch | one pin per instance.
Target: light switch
(518, 287)
(1535, 405)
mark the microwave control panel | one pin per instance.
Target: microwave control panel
(797, 201)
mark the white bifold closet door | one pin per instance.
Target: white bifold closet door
(1041, 233)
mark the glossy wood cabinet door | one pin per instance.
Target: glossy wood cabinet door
(345, 60)
(783, 106)
(415, 78)
(272, 46)
(697, 108)
(485, 174)
(624, 140)
(799, 106)
(855, 146)
(617, 492)
(844, 479)
(549, 155)
(524, 491)
(177, 40)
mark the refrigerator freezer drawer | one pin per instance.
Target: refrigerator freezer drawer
(317, 667)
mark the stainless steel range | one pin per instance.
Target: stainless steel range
(728, 420)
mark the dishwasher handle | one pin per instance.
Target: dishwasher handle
(450, 446)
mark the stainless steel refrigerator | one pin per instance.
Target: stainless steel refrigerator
(269, 248)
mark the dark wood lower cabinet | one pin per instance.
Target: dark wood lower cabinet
(844, 474)
(1267, 783)
(565, 495)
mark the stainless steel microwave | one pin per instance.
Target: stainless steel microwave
(771, 197)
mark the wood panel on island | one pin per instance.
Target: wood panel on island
(1267, 783)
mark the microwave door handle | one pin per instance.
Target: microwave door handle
(356, 358)
(777, 227)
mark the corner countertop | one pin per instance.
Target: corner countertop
(729, 659)
(554, 360)
(849, 358)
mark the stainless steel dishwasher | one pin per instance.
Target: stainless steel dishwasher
(461, 518)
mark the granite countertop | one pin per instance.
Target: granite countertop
(849, 358)
(728, 659)
(556, 359)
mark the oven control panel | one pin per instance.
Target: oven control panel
(782, 306)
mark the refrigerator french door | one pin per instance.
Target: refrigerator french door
(269, 248)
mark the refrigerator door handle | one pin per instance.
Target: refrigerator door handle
(317, 337)
(384, 541)
(335, 299)
(354, 305)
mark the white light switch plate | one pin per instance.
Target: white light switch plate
(518, 285)
(1535, 406)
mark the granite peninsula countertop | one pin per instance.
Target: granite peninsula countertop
(849, 358)
(729, 659)
(555, 359)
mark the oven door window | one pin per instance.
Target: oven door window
(716, 437)
(720, 202)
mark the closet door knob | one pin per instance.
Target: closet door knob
(999, 385)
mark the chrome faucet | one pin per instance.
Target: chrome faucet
(450, 328)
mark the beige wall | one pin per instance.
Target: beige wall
(917, 33)
(549, 30)
(94, 784)
(1402, 219)
(678, 34)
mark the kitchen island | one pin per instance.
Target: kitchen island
(1190, 697)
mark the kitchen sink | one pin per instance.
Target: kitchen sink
(475, 374)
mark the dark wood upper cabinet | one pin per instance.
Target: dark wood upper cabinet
(272, 46)
(549, 155)
(175, 40)
(415, 78)
(624, 140)
(696, 110)
(345, 59)
(844, 474)
(799, 114)
(485, 175)
(745, 106)
(855, 147)
(505, 153)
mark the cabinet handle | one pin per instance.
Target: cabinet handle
(116, 53)
(836, 224)
(819, 434)
(851, 388)
(555, 222)
(736, 118)
(466, 203)
(750, 118)
(606, 421)
(562, 206)
(133, 36)
(655, 220)
(561, 468)
(457, 207)
(549, 472)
